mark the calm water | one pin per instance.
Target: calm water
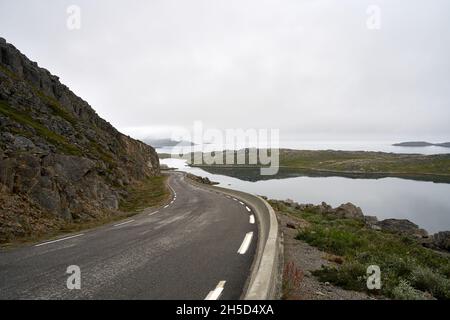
(424, 203)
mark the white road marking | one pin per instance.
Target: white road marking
(217, 292)
(121, 224)
(241, 202)
(235, 199)
(150, 214)
(252, 219)
(246, 243)
(166, 206)
(248, 209)
(66, 238)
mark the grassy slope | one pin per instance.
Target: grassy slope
(148, 193)
(366, 162)
(408, 270)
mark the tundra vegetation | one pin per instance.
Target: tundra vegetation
(358, 164)
(408, 269)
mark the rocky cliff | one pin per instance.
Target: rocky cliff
(59, 161)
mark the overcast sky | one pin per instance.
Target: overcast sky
(311, 68)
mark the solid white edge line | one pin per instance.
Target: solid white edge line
(217, 292)
(248, 209)
(57, 240)
(121, 224)
(246, 243)
(252, 219)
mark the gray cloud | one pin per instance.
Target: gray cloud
(310, 68)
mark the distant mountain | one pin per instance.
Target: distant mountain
(421, 144)
(413, 144)
(159, 143)
(444, 144)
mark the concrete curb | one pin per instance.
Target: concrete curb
(265, 278)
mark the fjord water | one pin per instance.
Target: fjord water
(424, 203)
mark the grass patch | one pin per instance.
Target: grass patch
(24, 119)
(148, 193)
(408, 270)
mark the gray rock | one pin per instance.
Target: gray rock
(72, 163)
(442, 240)
(22, 143)
(402, 226)
(349, 210)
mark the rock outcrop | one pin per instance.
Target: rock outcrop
(402, 226)
(58, 158)
(204, 180)
(347, 210)
(441, 240)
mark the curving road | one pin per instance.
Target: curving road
(199, 246)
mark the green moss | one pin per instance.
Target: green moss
(24, 119)
(56, 107)
(9, 73)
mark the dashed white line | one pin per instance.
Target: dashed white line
(150, 214)
(121, 224)
(241, 202)
(66, 238)
(248, 209)
(166, 206)
(217, 292)
(252, 219)
(246, 243)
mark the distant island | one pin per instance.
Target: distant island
(421, 144)
(159, 143)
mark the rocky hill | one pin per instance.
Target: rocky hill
(59, 161)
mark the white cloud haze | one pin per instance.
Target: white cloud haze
(309, 67)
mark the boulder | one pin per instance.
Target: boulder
(402, 226)
(349, 210)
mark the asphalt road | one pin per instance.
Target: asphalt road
(196, 247)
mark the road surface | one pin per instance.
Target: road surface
(201, 245)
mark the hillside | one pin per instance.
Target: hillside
(353, 164)
(59, 161)
(421, 144)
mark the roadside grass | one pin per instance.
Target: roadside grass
(147, 193)
(150, 192)
(408, 270)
